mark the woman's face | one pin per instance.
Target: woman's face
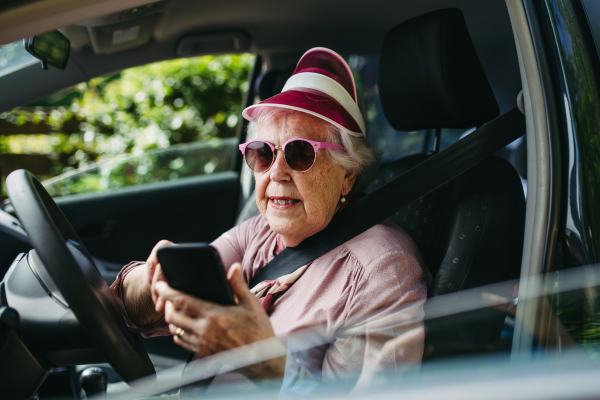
(314, 195)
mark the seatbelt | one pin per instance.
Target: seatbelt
(421, 179)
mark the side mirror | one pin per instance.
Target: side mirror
(51, 48)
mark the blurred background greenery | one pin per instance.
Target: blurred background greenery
(151, 107)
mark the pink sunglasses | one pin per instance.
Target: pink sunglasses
(300, 154)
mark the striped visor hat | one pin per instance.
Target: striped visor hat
(321, 85)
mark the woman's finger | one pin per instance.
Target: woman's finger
(184, 338)
(165, 293)
(239, 286)
(192, 347)
(149, 270)
(158, 277)
(179, 331)
(190, 305)
(158, 274)
(152, 260)
(178, 317)
(151, 263)
(185, 335)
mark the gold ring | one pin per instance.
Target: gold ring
(180, 332)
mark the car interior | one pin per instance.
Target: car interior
(441, 66)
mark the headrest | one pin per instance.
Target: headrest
(272, 82)
(430, 75)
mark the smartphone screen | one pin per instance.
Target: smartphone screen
(196, 269)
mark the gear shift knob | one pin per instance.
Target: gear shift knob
(93, 381)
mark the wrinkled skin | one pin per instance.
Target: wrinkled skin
(318, 190)
(211, 328)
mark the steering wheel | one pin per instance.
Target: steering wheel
(70, 266)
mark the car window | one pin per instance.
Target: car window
(88, 131)
(175, 162)
(579, 313)
(557, 346)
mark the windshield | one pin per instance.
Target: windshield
(13, 56)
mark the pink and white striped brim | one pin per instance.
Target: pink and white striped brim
(321, 85)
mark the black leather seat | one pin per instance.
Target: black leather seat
(270, 83)
(470, 231)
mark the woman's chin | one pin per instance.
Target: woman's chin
(283, 224)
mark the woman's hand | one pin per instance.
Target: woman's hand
(139, 294)
(211, 328)
(154, 272)
(137, 299)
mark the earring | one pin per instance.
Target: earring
(343, 199)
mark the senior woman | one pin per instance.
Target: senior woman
(309, 157)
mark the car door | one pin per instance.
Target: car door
(123, 225)
(185, 188)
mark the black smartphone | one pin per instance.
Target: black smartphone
(196, 269)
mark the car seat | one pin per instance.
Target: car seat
(470, 231)
(270, 83)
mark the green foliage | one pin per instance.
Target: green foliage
(160, 165)
(142, 108)
(579, 313)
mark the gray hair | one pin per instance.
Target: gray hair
(358, 156)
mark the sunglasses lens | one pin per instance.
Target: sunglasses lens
(299, 155)
(259, 156)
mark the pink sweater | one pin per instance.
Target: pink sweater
(374, 277)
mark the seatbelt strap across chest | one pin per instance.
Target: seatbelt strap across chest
(422, 179)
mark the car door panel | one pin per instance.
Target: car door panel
(123, 225)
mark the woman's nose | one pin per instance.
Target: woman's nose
(280, 171)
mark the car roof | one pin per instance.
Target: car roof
(278, 31)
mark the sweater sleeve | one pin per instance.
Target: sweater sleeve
(159, 328)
